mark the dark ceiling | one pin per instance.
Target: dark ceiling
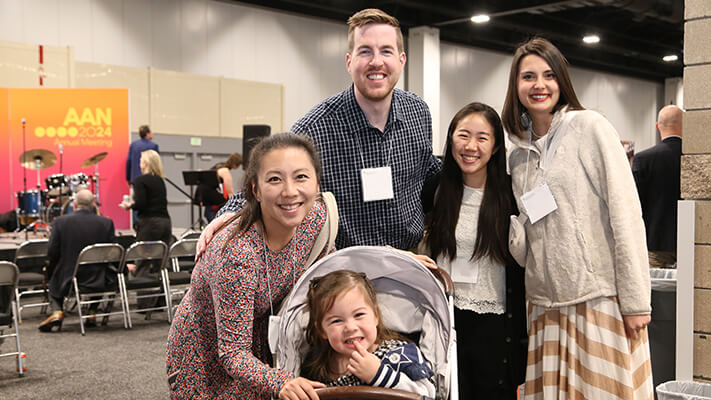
(634, 34)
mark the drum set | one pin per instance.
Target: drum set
(39, 206)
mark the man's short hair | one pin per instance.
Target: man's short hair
(373, 16)
(143, 131)
(84, 199)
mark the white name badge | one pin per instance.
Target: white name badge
(273, 332)
(464, 272)
(377, 183)
(539, 202)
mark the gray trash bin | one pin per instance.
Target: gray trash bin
(678, 390)
(662, 328)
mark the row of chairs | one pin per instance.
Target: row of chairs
(175, 264)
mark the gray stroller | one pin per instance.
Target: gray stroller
(412, 301)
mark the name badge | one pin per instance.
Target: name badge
(539, 202)
(463, 271)
(273, 332)
(377, 183)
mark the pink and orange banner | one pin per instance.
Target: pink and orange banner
(74, 125)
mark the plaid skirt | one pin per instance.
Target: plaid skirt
(581, 352)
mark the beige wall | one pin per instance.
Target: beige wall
(696, 170)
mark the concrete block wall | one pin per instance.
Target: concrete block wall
(696, 169)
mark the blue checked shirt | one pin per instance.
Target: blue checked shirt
(347, 143)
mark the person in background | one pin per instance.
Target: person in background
(151, 202)
(69, 235)
(133, 164)
(217, 345)
(467, 234)
(657, 173)
(579, 235)
(213, 198)
(349, 343)
(375, 142)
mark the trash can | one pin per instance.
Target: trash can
(678, 390)
(662, 328)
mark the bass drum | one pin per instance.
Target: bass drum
(67, 207)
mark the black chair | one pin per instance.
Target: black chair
(154, 252)
(31, 260)
(9, 277)
(110, 255)
(177, 271)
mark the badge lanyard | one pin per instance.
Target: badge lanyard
(539, 202)
(266, 264)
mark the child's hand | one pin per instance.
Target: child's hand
(363, 363)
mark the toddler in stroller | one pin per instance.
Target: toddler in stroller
(410, 301)
(348, 343)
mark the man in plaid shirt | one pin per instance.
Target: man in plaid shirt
(375, 141)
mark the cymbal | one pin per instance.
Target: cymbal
(29, 159)
(93, 160)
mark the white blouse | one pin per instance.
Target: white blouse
(482, 286)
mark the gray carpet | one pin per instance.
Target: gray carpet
(110, 362)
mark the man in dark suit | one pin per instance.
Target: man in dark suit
(657, 173)
(70, 234)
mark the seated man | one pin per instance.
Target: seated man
(70, 234)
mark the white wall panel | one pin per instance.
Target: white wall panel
(220, 28)
(137, 33)
(244, 102)
(165, 35)
(40, 22)
(193, 39)
(107, 35)
(11, 23)
(75, 27)
(244, 34)
(19, 66)
(267, 47)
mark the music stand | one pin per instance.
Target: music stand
(195, 178)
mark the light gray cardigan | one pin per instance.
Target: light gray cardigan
(593, 245)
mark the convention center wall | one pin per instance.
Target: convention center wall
(205, 49)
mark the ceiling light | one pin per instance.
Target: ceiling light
(670, 58)
(591, 39)
(480, 19)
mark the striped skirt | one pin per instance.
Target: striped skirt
(581, 352)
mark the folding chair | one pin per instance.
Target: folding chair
(111, 256)
(176, 273)
(139, 252)
(31, 258)
(191, 235)
(9, 276)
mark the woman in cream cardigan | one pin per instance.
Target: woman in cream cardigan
(580, 236)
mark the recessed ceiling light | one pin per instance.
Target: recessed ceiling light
(591, 39)
(480, 19)
(670, 58)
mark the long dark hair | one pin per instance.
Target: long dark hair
(252, 212)
(513, 109)
(323, 292)
(497, 204)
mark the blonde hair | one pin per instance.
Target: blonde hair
(152, 162)
(373, 16)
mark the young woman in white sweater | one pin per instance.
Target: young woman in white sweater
(467, 233)
(580, 236)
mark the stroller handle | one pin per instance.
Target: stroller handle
(445, 279)
(364, 393)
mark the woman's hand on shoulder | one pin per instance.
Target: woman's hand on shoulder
(634, 324)
(209, 232)
(300, 389)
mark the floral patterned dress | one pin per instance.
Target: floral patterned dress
(217, 345)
